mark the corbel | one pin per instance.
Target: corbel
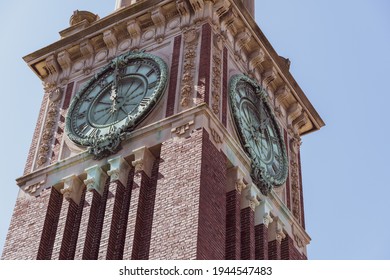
(276, 230)
(143, 161)
(87, 51)
(282, 94)
(65, 62)
(96, 179)
(268, 76)
(52, 69)
(111, 42)
(184, 12)
(134, 30)
(235, 179)
(158, 18)
(251, 197)
(242, 39)
(256, 58)
(119, 170)
(73, 189)
(263, 214)
(220, 9)
(198, 7)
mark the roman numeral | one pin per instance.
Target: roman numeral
(94, 132)
(150, 73)
(82, 127)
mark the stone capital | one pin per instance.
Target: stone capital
(236, 179)
(119, 170)
(263, 213)
(143, 161)
(250, 197)
(73, 188)
(96, 179)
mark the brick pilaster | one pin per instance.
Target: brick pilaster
(261, 242)
(50, 226)
(247, 234)
(233, 225)
(71, 231)
(274, 250)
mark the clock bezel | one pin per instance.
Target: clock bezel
(109, 143)
(261, 177)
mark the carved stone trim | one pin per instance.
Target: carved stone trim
(267, 219)
(96, 179)
(263, 213)
(182, 129)
(240, 185)
(73, 189)
(87, 50)
(33, 188)
(280, 235)
(119, 170)
(216, 77)
(295, 192)
(191, 38)
(55, 96)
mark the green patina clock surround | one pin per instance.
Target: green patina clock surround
(259, 133)
(114, 101)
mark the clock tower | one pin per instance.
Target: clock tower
(168, 130)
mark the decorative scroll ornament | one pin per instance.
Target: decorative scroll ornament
(191, 40)
(114, 101)
(55, 95)
(259, 133)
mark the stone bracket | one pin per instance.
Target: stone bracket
(87, 50)
(65, 62)
(235, 179)
(52, 69)
(134, 30)
(96, 179)
(111, 42)
(119, 170)
(198, 7)
(158, 19)
(184, 11)
(143, 161)
(263, 213)
(73, 188)
(251, 197)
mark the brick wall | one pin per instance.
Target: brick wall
(25, 230)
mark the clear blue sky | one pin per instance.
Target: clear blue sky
(339, 54)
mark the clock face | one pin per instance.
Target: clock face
(259, 133)
(114, 101)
